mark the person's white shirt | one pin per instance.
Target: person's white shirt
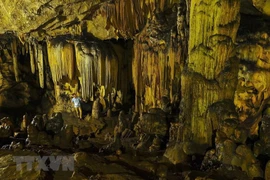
(76, 101)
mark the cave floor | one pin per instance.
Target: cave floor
(91, 163)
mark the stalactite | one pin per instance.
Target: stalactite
(35, 48)
(32, 58)
(113, 80)
(55, 60)
(15, 59)
(162, 4)
(26, 47)
(107, 72)
(52, 65)
(85, 67)
(40, 65)
(137, 76)
(100, 69)
(58, 60)
(68, 60)
(61, 58)
(87, 72)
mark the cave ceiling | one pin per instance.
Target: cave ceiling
(102, 19)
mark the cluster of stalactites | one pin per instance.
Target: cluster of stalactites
(14, 56)
(126, 16)
(96, 67)
(159, 53)
(155, 75)
(129, 16)
(61, 57)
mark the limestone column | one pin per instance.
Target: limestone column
(211, 66)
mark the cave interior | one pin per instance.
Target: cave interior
(135, 89)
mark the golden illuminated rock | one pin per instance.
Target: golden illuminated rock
(208, 77)
(197, 72)
(103, 19)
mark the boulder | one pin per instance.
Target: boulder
(153, 123)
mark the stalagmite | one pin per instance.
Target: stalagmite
(15, 59)
(40, 65)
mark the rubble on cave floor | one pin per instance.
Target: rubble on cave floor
(111, 148)
(90, 165)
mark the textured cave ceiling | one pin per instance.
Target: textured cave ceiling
(49, 18)
(103, 19)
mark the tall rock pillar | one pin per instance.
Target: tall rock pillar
(211, 69)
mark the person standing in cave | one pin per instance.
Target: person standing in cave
(77, 105)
